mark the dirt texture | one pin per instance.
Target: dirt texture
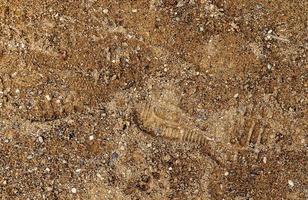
(153, 99)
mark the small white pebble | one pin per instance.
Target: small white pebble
(74, 190)
(268, 37)
(48, 97)
(149, 145)
(22, 45)
(91, 137)
(264, 159)
(40, 139)
(291, 183)
(78, 170)
(269, 66)
(14, 74)
(105, 11)
(4, 182)
(99, 176)
(17, 91)
(47, 169)
(165, 69)
(236, 95)
(134, 10)
(170, 168)
(226, 173)
(113, 77)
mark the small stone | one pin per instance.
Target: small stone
(105, 11)
(47, 169)
(167, 158)
(264, 159)
(291, 183)
(74, 190)
(99, 176)
(134, 10)
(17, 91)
(40, 139)
(113, 77)
(269, 66)
(170, 168)
(180, 3)
(14, 74)
(49, 189)
(226, 173)
(48, 97)
(114, 155)
(91, 137)
(236, 95)
(78, 170)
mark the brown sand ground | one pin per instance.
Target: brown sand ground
(153, 99)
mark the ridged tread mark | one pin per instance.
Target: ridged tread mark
(53, 109)
(155, 121)
(37, 107)
(149, 122)
(250, 130)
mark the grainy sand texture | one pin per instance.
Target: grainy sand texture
(153, 100)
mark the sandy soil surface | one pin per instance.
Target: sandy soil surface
(153, 99)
